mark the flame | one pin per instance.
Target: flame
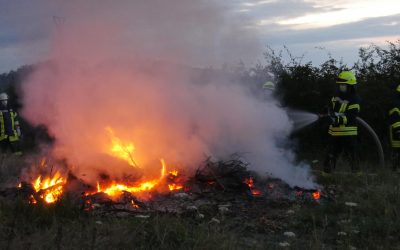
(173, 173)
(134, 205)
(88, 206)
(120, 149)
(163, 168)
(43, 162)
(316, 195)
(256, 192)
(250, 183)
(32, 199)
(116, 189)
(50, 188)
(174, 186)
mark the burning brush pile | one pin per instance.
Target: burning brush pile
(131, 128)
(226, 185)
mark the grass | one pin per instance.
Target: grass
(372, 224)
(64, 227)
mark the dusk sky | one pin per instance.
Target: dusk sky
(310, 27)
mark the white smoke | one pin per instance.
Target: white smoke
(121, 66)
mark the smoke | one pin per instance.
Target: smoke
(122, 66)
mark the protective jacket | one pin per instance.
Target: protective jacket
(394, 125)
(9, 125)
(345, 108)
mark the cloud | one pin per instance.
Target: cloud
(373, 27)
(342, 41)
(346, 12)
(257, 23)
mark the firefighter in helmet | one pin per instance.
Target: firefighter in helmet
(394, 129)
(10, 131)
(343, 111)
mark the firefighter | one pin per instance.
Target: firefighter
(394, 130)
(343, 111)
(10, 132)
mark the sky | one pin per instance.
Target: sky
(312, 28)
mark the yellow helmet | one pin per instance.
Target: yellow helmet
(269, 85)
(346, 77)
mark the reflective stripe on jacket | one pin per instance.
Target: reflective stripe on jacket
(8, 123)
(346, 112)
(394, 127)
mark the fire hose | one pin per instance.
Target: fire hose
(372, 133)
(376, 140)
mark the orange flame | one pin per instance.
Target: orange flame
(174, 173)
(174, 186)
(50, 188)
(43, 162)
(316, 195)
(250, 182)
(116, 189)
(32, 200)
(120, 149)
(134, 205)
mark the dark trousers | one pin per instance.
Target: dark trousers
(395, 158)
(7, 146)
(337, 145)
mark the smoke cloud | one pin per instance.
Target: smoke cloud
(125, 66)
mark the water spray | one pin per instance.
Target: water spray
(302, 119)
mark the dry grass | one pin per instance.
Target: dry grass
(369, 221)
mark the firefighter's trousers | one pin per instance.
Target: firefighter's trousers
(337, 145)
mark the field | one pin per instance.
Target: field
(362, 212)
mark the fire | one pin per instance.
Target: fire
(49, 188)
(316, 195)
(174, 177)
(32, 200)
(120, 149)
(116, 189)
(250, 183)
(174, 173)
(134, 205)
(43, 162)
(174, 186)
(256, 192)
